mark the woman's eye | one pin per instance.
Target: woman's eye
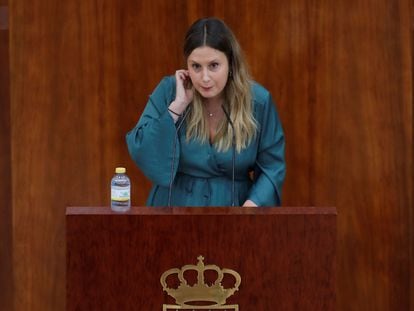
(195, 66)
(214, 65)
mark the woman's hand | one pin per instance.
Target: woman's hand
(184, 91)
(249, 203)
(183, 95)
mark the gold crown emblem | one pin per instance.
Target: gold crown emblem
(186, 295)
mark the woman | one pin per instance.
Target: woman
(209, 136)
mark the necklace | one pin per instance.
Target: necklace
(211, 114)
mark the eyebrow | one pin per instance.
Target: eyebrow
(215, 60)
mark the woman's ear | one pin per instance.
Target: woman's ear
(188, 84)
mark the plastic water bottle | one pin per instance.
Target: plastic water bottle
(120, 191)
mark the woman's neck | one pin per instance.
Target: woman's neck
(213, 102)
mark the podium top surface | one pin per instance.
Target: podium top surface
(143, 210)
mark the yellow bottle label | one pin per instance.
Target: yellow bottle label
(121, 194)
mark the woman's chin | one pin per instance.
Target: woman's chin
(207, 94)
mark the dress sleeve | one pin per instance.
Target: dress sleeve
(270, 167)
(151, 142)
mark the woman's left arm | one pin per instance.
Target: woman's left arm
(270, 166)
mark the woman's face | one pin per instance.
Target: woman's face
(209, 71)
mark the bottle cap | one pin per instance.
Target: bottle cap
(120, 170)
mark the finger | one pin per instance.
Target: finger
(181, 75)
(178, 75)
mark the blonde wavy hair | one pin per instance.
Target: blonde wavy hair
(214, 33)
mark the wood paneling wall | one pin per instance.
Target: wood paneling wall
(340, 71)
(6, 268)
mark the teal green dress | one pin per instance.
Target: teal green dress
(202, 176)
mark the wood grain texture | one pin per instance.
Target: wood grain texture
(340, 72)
(411, 200)
(286, 260)
(4, 17)
(370, 160)
(6, 267)
(74, 99)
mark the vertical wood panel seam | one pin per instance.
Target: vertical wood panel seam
(6, 210)
(410, 208)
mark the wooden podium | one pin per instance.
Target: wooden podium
(285, 256)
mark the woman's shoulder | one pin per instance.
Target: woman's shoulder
(167, 82)
(263, 105)
(260, 94)
(165, 88)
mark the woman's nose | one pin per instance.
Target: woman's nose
(206, 76)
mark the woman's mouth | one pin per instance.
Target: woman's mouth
(206, 89)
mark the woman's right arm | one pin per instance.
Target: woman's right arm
(150, 142)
